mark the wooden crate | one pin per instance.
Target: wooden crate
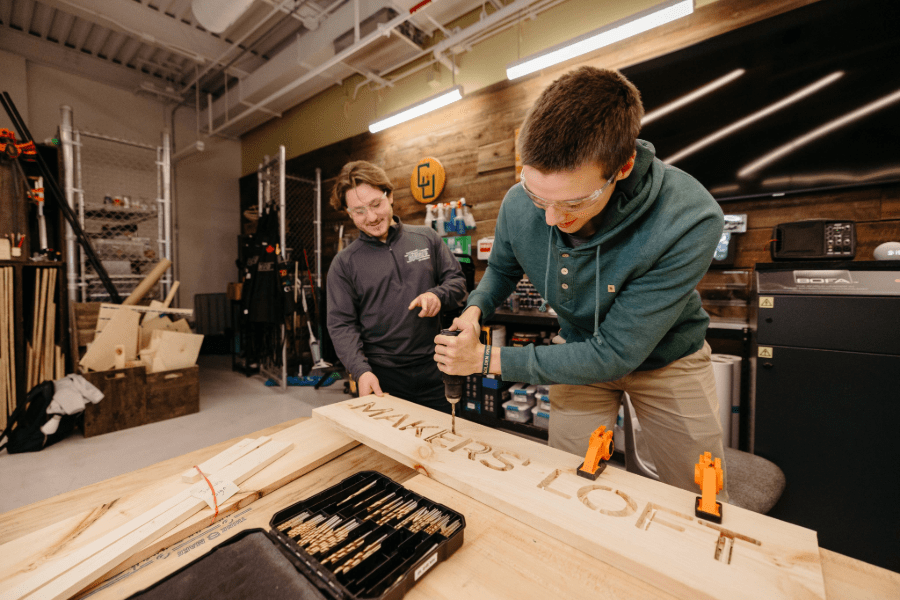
(173, 393)
(132, 397)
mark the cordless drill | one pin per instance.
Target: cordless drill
(453, 386)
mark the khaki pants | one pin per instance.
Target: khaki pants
(677, 407)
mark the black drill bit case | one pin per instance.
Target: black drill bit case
(260, 563)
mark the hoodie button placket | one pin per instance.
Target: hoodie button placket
(566, 284)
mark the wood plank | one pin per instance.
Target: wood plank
(314, 444)
(26, 520)
(498, 155)
(224, 458)
(65, 575)
(635, 524)
(256, 515)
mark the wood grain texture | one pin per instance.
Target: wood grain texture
(314, 444)
(634, 524)
(256, 515)
(500, 559)
(498, 155)
(68, 573)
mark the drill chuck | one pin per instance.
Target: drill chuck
(453, 384)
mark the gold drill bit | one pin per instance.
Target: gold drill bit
(385, 508)
(453, 418)
(399, 512)
(305, 526)
(449, 529)
(368, 499)
(412, 517)
(336, 556)
(319, 531)
(362, 555)
(330, 541)
(437, 524)
(355, 494)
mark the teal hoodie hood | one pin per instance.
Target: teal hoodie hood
(626, 299)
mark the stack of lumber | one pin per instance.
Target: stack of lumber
(45, 360)
(7, 346)
(64, 557)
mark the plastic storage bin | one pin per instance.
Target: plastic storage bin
(541, 417)
(517, 412)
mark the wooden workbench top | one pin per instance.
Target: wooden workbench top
(500, 558)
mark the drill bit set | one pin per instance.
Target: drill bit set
(368, 537)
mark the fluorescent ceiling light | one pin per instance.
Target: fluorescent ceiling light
(819, 132)
(612, 33)
(760, 114)
(419, 109)
(691, 97)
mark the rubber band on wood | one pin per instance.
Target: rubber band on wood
(212, 489)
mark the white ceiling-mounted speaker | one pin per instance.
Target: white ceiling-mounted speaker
(218, 15)
(888, 251)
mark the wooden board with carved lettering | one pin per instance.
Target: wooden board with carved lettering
(643, 527)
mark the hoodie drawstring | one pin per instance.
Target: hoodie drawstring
(597, 293)
(543, 307)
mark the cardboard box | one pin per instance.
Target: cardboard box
(234, 291)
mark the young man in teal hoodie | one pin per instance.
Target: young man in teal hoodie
(616, 242)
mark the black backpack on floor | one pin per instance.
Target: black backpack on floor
(23, 432)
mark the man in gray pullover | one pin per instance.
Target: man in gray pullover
(375, 284)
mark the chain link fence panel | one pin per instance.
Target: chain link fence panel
(119, 210)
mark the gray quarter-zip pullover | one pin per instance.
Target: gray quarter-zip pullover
(370, 286)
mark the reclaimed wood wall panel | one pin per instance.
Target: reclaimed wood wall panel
(457, 134)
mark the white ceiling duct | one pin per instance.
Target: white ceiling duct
(218, 15)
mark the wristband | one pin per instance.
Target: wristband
(486, 365)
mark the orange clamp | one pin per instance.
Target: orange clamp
(600, 449)
(708, 475)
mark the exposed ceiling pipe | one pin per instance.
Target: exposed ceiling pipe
(338, 58)
(187, 87)
(190, 149)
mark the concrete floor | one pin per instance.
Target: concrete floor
(231, 405)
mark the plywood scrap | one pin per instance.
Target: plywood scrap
(176, 350)
(635, 524)
(151, 325)
(122, 329)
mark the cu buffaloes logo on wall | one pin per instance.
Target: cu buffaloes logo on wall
(427, 181)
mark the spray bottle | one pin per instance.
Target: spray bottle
(439, 220)
(467, 216)
(429, 216)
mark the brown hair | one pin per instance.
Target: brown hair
(587, 115)
(354, 174)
